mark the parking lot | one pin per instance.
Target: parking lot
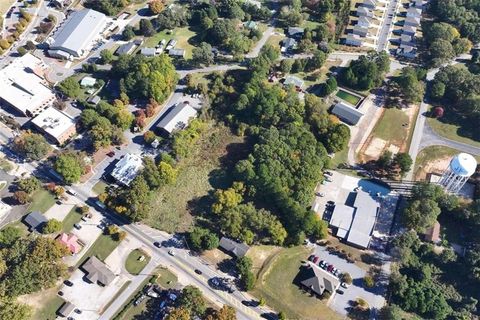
(90, 298)
(341, 302)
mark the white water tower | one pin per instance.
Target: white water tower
(461, 167)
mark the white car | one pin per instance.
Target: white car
(72, 192)
(171, 252)
(345, 285)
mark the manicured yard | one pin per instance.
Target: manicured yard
(72, 217)
(350, 98)
(50, 305)
(182, 35)
(339, 158)
(166, 278)
(133, 263)
(275, 285)
(99, 187)
(451, 130)
(198, 174)
(42, 201)
(101, 248)
(5, 165)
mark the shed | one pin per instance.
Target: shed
(236, 248)
(66, 309)
(35, 220)
(347, 113)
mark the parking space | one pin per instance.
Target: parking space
(90, 298)
(342, 302)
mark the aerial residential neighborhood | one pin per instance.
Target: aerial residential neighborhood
(240, 159)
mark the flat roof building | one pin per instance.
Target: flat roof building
(176, 53)
(177, 118)
(23, 86)
(347, 113)
(78, 33)
(127, 168)
(98, 272)
(57, 125)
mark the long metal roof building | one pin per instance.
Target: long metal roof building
(79, 31)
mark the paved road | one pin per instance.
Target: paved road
(387, 25)
(431, 138)
(259, 45)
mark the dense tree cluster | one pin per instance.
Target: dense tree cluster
(70, 165)
(31, 145)
(244, 269)
(366, 72)
(444, 43)
(30, 264)
(144, 77)
(70, 87)
(333, 16)
(462, 14)
(202, 239)
(109, 7)
(411, 85)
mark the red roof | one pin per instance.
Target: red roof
(433, 234)
(70, 241)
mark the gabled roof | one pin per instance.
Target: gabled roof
(97, 271)
(361, 31)
(126, 48)
(414, 12)
(149, 52)
(237, 248)
(177, 52)
(35, 220)
(432, 234)
(296, 81)
(289, 43)
(411, 30)
(177, 118)
(295, 31)
(412, 21)
(364, 21)
(319, 280)
(364, 11)
(66, 309)
(369, 3)
(70, 241)
(347, 113)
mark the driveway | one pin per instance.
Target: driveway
(341, 302)
(116, 260)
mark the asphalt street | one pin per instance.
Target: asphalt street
(386, 28)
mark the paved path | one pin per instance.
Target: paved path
(431, 138)
(256, 50)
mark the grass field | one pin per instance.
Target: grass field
(42, 201)
(451, 131)
(101, 248)
(50, 305)
(133, 264)
(99, 187)
(5, 5)
(72, 217)
(390, 126)
(339, 158)
(275, 285)
(173, 205)
(166, 278)
(182, 35)
(350, 98)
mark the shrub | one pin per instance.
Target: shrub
(368, 281)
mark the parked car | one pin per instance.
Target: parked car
(198, 271)
(157, 244)
(77, 226)
(111, 154)
(320, 194)
(328, 173)
(68, 283)
(72, 192)
(330, 268)
(312, 256)
(345, 285)
(322, 264)
(78, 311)
(171, 252)
(325, 266)
(340, 291)
(315, 260)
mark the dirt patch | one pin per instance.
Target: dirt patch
(261, 256)
(375, 147)
(434, 166)
(215, 256)
(37, 300)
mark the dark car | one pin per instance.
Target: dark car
(328, 173)
(68, 283)
(315, 260)
(340, 291)
(78, 311)
(157, 244)
(60, 293)
(111, 154)
(77, 226)
(311, 257)
(198, 271)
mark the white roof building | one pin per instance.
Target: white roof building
(177, 118)
(127, 168)
(56, 124)
(78, 33)
(347, 113)
(88, 81)
(23, 86)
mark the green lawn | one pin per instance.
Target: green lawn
(101, 248)
(198, 174)
(275, 285)
(350, 98)
(389, 127)
(133, 264)
(182, 35)
(18, 225)
(5, 165)
(451, 131)
(72, 217)
(99, 187)
(50, 305)
(339, 158)
(166, 278)
(42, 201)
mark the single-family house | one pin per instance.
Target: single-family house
(347, 113)
(412, 21)
(94, 100)
(98, 272)
(88, 82)
(406, 39)
(35, 221)
(418, 3)
(407, 51)
(236, 248)
(148, 52)
(432, 234)
(295, 32)
(364, 21)
(171, 44)
(288, 44)
(353, 40)
(371, 4)
(409, 30)
(252, 25)
(295, 81)
(126, 48)
(414, 12)
(177, 53)
(360, 31)
(70, 241)
(177, 118)
(316, 280)
(363, 11)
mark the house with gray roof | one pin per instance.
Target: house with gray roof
(414, 12)
(148, 52)
(409, 30)
(76, 36)
(354, 40)
(98, 272)
(126, 48)
(295, 81)
(347, 113)
(363, 11)
(360, 31)
(35, 220)
(236, 248)
(412, 21)
(364, 21)
(177, 118)
(371, 4)
(66, 309)
(316, 280)
(288, 44)
(295, 32)
(177, 53)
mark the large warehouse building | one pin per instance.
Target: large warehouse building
(76, 36)
(23, 87)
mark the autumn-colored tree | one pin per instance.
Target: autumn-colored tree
(156, 6)
(22, 197)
